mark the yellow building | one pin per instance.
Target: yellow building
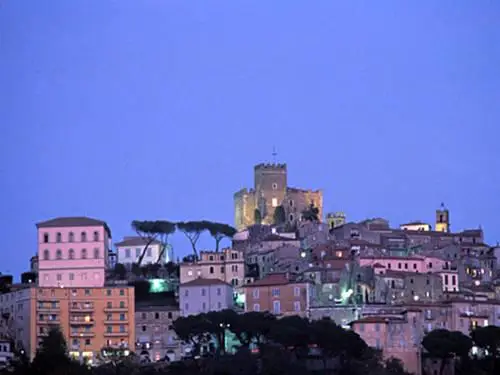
(442, 219)
(416, 226)
(270, 191)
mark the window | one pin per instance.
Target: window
(108, 292)
(399, 265)
(186, 306)
(46, 255)
(149, 252)
(256, 307)
(109, 305)
(275, 202)
(83, 237)
(219, 291)
(446, 279)
(296, 291)
(211, 270)
(127, 253)
(453, 280)
(87, 292)
(186, 293)
(59, 277)
(96, 236)
(406, 266)
(291, 217)
(71, 276)
(255, 293)
(290, 202)
(414, 266)
(143, 328)
(203, 292)
(296, 306)
(222, 270)
(234, 255)
(169, 315)
(71, 254)
(234, 268)
(138, 252)
(109, 329)
(71, 237)
(204, 306)
(84, 254)
(122, 292)
(122, 328)
(430, 265)
(157, 315)
(219, 305)
(45, 238)
(275, 186)
(122, 304)
(275, 292)
(58, 237)
(276, 307)
(58, 254)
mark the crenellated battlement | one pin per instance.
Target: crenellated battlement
(269, 166)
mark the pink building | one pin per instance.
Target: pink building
(72, 252)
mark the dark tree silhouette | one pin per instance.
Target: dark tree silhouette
(311, 213)
(151, 231)
(257, 216)
(120, 271)
(192, 230)
(488, 339)
(219, 231)
(279, 216)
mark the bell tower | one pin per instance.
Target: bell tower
(442, 219)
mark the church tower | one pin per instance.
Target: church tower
(442, 219)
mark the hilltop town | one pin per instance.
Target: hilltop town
(391, 285)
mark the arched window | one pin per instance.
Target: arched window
(58, 237)
(84, 237)
(71, 254)
(96, 236)
(71, 237)
(46, 238)
(84, 253)
(58, 254)
(46, 255)
(96, 253)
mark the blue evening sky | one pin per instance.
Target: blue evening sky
(145, 109)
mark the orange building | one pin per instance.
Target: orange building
(90, 318)
(278, 294)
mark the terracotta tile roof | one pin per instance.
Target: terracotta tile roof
(204, 282)
(275, 279)
(135, 241)
(74, 221)
(376, 319)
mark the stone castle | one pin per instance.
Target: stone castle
(271, 191)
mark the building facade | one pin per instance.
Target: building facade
(227, 265)
(73, 252)
(279, 295)
(204, 295)
(257, 205)
(129, 250)
(155, 336)
(90, 318)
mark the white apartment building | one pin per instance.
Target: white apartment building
(129, 250)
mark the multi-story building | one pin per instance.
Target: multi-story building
(73, 252)
(204, 295)
(279, 294)
(227, 265)
(129, 250)
(270, 191)
(90, 318)
(155, 336)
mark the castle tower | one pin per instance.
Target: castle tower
(270, 189)
(442, 219)
(336, 219)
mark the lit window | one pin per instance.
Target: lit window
(276, 307)
(275, 202)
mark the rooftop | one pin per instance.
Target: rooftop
(136, 241)
(73, 221)
(204, 282)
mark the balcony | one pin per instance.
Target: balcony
(48, 321)
(80, 321)
(82, 334)
(87, 307)
(116, 334)
(115, 309)
(116, 321)
(47, 308)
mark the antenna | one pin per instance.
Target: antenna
(274, 154)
